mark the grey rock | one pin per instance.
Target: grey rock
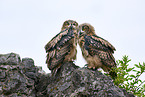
(72, 81)
(9, 59)
(17, 78)
(24, 79)
(2, 75)
(28, 63)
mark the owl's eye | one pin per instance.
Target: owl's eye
(75, 24)
(85, 28)
(66, 23)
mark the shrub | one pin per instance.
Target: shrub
(129, 78)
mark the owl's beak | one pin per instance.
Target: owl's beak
(71, 26)
(80, 33)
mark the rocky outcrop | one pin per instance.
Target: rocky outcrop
(21, 78)
(18, 78)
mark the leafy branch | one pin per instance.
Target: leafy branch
(129, 78)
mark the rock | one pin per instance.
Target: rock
(24, 79)
(18, 78)
(72, 81)
(10, 59)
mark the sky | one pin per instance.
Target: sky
(27, 25)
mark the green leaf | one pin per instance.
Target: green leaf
(137, 65)
(133, 76)
(134, 70)
(130, 82)
(130, 69)
(130, 78)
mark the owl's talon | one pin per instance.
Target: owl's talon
(94, 68)
(89, 67)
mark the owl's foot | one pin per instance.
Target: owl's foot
(69, 60)
(94, 68)
(91, 68)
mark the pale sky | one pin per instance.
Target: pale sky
(27, 25)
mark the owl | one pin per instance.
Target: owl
(95, 50)
(62, 47)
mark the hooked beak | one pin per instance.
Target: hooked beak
(70, 26)
(80, 33)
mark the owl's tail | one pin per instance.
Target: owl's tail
(55, 70)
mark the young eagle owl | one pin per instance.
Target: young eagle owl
(62, 47)
(96, 50)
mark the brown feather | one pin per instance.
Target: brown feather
(96, 50)
(62, 47)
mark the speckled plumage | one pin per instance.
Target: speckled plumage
(96, 50)
(62, 47)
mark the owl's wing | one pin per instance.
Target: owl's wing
(59, 47)
(102, 48)
(60, 39)
(97, 42)
(58, 57)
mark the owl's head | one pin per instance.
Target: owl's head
(69, 23)
(86, 29)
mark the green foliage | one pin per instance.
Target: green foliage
(129, 78)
